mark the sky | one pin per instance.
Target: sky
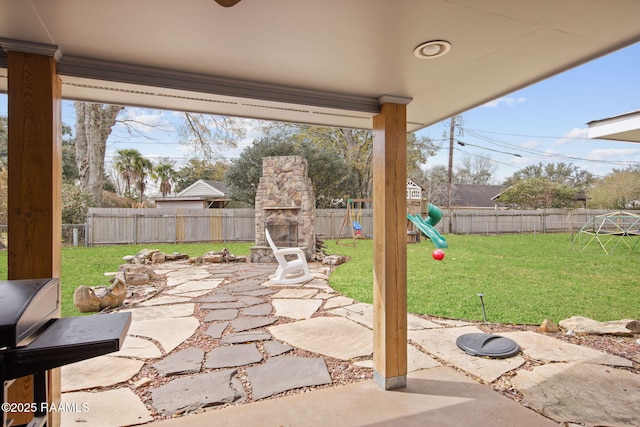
(545, 122)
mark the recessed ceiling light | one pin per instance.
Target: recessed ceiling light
(432, 49)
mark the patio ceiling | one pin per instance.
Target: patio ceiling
(322, 62)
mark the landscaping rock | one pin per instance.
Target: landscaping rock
(548, 326)
(585, 326)
(334, 260)
(233, 355)
(92, 299)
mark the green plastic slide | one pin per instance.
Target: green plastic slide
(426, 226)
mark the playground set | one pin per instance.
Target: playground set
(416, 224)
(610, 231)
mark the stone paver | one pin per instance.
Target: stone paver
(582, 393)
(194, 392)
(195, 285)
(186, 361)
(224, 314)
(336, 302)
(296, 308)
(243, 337)
(416, 360)
(258, 310)
(170, 333)
(117, 407)
(232, 356)
(216, 329)
(223, 305)
(245, 323)
(442, 344)
(359, 312)
(165, 299)
(331, 336)
(283, 373)
(256, 292)
(139, 348)
(217, 298)
(549, 349)
(295, 293)
(156, 311)
(248, 300)
(102, 371)
(276, 348)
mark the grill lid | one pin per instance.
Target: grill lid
(25, 307)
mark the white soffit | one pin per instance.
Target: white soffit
(625, 127)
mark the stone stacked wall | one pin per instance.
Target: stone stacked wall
(284, 201)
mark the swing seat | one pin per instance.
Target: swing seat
(357, 226)
(289, 272)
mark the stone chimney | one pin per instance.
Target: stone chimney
(285, 204)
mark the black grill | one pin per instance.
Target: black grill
(32, 341)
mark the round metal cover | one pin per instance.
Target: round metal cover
(488, 345)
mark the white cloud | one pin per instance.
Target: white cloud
(608, 153)
(530, 145)
(145, 120)
(575, 133)
(506, 100)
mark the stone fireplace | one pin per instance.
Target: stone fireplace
(285, 204)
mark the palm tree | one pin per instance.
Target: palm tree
(141, 167)
(123, 162)
(164, 174)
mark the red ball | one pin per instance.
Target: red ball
(438, 255)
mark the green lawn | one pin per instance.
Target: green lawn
(86, 266)
(525, 278)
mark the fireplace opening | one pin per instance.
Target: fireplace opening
(284, 235)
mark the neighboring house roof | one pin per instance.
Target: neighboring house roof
(206, 188)
(475, 196)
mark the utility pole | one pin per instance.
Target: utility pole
(452, 127)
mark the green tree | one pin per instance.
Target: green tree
(164, 175)
(205, 134)
(329, 173)
(476, 171)
(4, 139)
(142, 167)
(133, 168)
(537, 193)
(200, 169)
(618, 190)
(355, 147)
(559, 173)
(94, 123)
(75, 203)
(124, 163)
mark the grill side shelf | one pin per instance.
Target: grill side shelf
(67, 341)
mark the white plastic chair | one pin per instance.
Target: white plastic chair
(289, 272)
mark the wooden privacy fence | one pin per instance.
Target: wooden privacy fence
(107, 226)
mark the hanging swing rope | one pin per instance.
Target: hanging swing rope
(354, 224)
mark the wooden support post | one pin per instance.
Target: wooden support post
(390, 244)
(34, 213)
